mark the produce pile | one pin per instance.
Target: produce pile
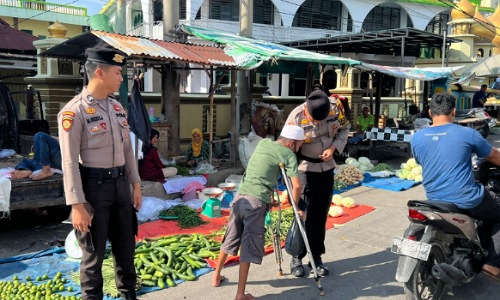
(43, 287)
(160, 261)
(336, 210)
(187, 217)
(286, 221)
(349, 175)
(171, 258)
(410, 170)
(362, 163)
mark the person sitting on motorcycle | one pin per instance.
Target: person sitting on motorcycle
(444, 150)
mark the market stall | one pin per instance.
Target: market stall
(389, 142)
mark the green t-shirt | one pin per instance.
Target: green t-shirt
(263, 169)
(365, 122)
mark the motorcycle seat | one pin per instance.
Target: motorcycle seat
(441, 206)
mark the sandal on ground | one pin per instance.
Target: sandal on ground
(491, 275)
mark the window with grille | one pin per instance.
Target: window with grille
(382, 18)
(206, 119)
(438, 23)
(322, 14)
(229, 10)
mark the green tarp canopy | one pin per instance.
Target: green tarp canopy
(250, 53)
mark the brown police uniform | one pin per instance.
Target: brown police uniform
(98, 164)
(316, 175)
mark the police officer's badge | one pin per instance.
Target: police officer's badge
(118, 58)
(67, 122)
(90, 110)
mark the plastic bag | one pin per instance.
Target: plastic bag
(151, 208)
(5, 187)
(294, 243)
(205, 168)
(7, 153)
(190, 191)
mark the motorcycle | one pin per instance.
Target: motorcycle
(476, 118)
(443, 246)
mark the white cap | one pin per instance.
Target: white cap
(293, 132)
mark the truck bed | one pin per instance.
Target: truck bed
(30, 194)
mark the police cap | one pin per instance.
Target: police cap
(106, 54)
(318, 105)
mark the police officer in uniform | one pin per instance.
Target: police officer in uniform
(326, 129)
(99, 166)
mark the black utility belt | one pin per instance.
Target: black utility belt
(103, 173)
(300, 156)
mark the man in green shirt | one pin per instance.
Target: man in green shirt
(365, 123)
(246, 228)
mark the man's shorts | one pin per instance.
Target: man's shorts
(246, 228)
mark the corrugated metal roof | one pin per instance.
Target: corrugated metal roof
(142, 48)
(15, 41)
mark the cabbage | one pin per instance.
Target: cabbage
(418, 178)
(364, 160)
(349, 160)
(412, 163)
(353, 162)
(335, 211)
(370, 166)
(410, 176)
(337, 199)
(404, 174)
(417, 170)
(403, 166)
(348, 202)
(284, 197)
(363, 167)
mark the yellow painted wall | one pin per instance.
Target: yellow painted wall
(40, 27)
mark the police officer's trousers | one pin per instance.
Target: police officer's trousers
(113, 218)
(317, 193)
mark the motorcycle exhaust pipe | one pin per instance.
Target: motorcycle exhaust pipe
(449, 274)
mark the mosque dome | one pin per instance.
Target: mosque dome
(484, 30)
(495, 20)
(463, 10)
(57, 30)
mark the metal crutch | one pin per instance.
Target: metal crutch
(301, 228)
(278, 254)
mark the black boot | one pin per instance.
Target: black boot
(320, 267)
(296, 267)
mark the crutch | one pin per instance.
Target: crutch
(278, 254)
(301, 228)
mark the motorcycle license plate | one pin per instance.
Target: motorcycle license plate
(410, 248)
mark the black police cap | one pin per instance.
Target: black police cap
(106, 54)
(318, 105)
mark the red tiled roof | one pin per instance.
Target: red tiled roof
(15, 41)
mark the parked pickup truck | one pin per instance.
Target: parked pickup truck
(18, 135)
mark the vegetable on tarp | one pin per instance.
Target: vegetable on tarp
(187, 216)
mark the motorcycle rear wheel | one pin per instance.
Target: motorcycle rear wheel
(422, 285)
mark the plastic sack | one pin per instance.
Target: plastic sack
(294, 243)
(246, 147)
(190, 191)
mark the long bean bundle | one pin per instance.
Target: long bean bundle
(187, 216)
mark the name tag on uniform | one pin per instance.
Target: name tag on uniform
(94, 119)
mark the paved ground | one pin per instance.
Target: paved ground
(357, 254)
